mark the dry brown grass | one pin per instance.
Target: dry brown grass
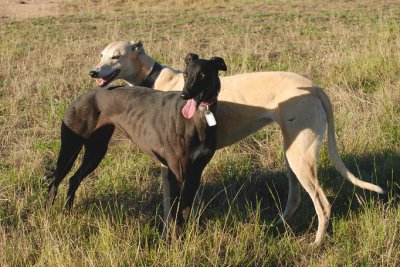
(349, 48)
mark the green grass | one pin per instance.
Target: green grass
(349, 48)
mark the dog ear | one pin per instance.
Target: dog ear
(219, 63)
(136, 45)
(190, 57)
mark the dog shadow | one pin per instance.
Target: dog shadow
(261, 193)
(241, 197)
(124, 204)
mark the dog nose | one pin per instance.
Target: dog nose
(94, 74)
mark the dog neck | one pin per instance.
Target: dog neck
(168, 79)
(146, 66)
(210, 99)
(151, 78)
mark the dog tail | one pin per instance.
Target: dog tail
(333, 150)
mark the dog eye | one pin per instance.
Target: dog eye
(201, 75)
(115, 57)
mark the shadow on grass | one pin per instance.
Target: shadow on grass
(239, 197)
(269, 190)
(124, 205)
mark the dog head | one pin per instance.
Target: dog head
(118, 59)
(201, 77)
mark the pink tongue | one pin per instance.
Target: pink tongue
(189, 109)
(100, 81)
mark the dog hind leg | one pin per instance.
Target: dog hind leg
(71, 145)
(303, 133)
(294, 197)
(95, 150)
(302, 158)
(305, 168)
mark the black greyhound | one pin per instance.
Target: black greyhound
(168, 129)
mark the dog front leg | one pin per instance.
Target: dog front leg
(189, 190)
(166, 192)
(171, 192)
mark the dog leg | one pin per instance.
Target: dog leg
(71, 144)
(181, 199)
(171, 191)
(166, 192)
(303, 133)
(192, 182)
(305, 169)
(302, 158)
(294, 197)
(95, 150)
(189, 189)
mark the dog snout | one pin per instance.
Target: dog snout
(94, 74)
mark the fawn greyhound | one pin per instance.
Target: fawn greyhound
(248, 102)
(170, 130)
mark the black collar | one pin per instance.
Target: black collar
(150, 79)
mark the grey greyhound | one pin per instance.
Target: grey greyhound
(168, 129)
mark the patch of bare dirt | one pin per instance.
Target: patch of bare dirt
(22, 9)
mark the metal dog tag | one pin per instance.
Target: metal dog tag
(210, 118)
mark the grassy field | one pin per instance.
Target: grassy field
(351, 48)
